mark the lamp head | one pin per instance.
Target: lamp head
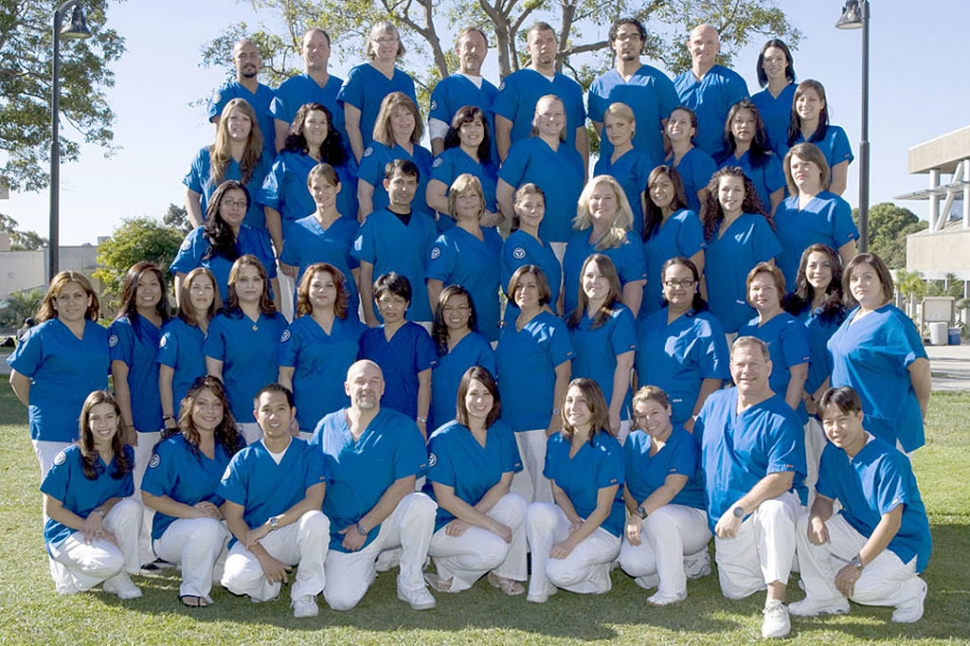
(851, 17)
(78, 29)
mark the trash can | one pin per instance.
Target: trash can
(938, 333)
(954, 336)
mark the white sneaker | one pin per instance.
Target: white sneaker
(665, 599)
(122, 586)
(542, 597)
(417, 598)
(697, 565)
(809, 608)
(305, 606)
(777, 623)
(907, 613)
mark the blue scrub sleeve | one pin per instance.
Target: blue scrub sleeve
(624, 336)
(844, 229)
(232, 487)
(514, 167)
(168, 349)
(317, 470)
(121, 343)
(440, 467)
(162, 472)
(425, 353)
(214, 345)
(370, 169)
(764, 241)
(411, 457)
(352, 91)
(197, 169)
(365, 246)
(611, 470)
(27, 357)
(903, 340)
(441, 260)
(716, 357)
(511, 460)
(774, 176)
(785, 450)
(56, 481)
(560, 349)
(633, 266)
(684, 460)
(290, 346)
(271, 192)
(795, 345)
(841, 148)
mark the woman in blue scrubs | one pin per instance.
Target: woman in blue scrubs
(180, 485)
(694, 165)
(459, 346)
(666, 535)
(479, 527)
(243, 342)
(603, 334)
(810, 124)
(747, 146)
(525, 247)
(397, 135)
(879, 353)
(92, 522)
(812, 213)
(467, 150)
(681, 348)
(320, 346)
(602, 225)
(776, 74)
(574, 541)
(670, 230)
(180, 358)
(468, 255)
(533, 364)
(58, 362)
(739, 235)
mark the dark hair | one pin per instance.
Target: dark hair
(628, 20)
(714, 214)
(222, 239)
(691, 114)
(129, 294)
(599, 410)
(789, 71)
(477, 373)
(266, 305)
(613, 299)
(185, 299)
(274, 388)
(331, 150)
(468, 114)
(303, 305)
(832, 310)
(226, 432)
(90, 458)
(520, 194)
(650, 393)
(795, 121)
(653, 217)
(698, 304)
(844, 398)
(313, 29)
(760, 150)
(874, 261)
(405, 167)
(439, 329)
(395, 283)
(545, 294)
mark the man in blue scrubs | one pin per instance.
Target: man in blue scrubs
(246, 60)
(709, 89)
(873, 550)
(373, 455)
(753, 459)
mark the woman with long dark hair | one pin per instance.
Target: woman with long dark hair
(694, 165)
(776, 74)
(747, 146)
(810, 124)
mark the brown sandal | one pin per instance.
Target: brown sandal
(192, 601)
(508, 586)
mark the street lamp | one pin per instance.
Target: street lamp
(855, 15)
(78, 29)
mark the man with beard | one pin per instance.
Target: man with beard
(373, 455)
(246, 60)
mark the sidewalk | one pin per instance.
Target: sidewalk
(950, 366)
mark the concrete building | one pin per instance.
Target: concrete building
(21, 270)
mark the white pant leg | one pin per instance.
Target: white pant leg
(625, 427)
(668, 534)
(529, 482)
(143, 454)
(195, 544)
(287, 293)
(251, 431)
(814, 444)
(510, 511)
(46, 452)
(763, 550)
(545, 525)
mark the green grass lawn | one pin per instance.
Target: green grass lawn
(32, 613)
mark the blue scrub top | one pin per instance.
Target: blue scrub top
(63, 370)
(597, 350)
(727, 261)
(320, 362)
(409, 352)
(459, 258)
(820, 330)
(385, 242)
(390, 448)
(631, 170)
(682, 234)
(559, 173)
(457, 460)
(649, 93)
(308, 243)
(776, 114)
(199, 179)
(67, 483)
(192, 253)
(456, 91)
(365, 89)
(876, 481)
(520, 91)
(595, 466)
(180, 348)
(185, 475)
(787, 341)
(627, 258)
(520, 249)
(453, 162)
(696, 168)
(737, 451)
(827, 219)
(834, 145)
(873, 356)
(377, 156)
(135, 343)
(301, 89)
(710, 98)
(645, 474)
(447, 370)
(260, 102)
(767, 178)
(680, 355)
(526, 362)
(264, 488)
(248, 352)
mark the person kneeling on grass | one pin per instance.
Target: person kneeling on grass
(273, 492)
(873, 550)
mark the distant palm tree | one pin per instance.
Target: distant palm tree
(21, 304)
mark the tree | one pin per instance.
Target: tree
(21, 304)
(21, 240)
(135, 240)
(888, 227)
(177, 218)
(26, 47)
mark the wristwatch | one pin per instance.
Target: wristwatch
(641, 512)
(274, 522)
(856, 562)
(362, 530)
(738, 511)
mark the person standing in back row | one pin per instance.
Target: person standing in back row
(246, 86)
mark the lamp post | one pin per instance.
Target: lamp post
(76, 30)
(855, 15)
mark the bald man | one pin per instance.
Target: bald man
(246, 85)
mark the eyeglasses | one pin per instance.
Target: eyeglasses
(235, 204)
(683, 284)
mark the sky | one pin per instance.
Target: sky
(913, 98)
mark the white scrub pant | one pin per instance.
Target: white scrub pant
(467, 558)
(195, 544)
(815, 442)
(763, 550)
(303, 543)
(409, 527)
(667, 535)
(529, 482)
(143, 454)
(46, 452)
(587, 568)
(287, 294)
(886, 581)
(78, 566)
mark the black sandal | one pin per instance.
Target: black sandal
(192, 601)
